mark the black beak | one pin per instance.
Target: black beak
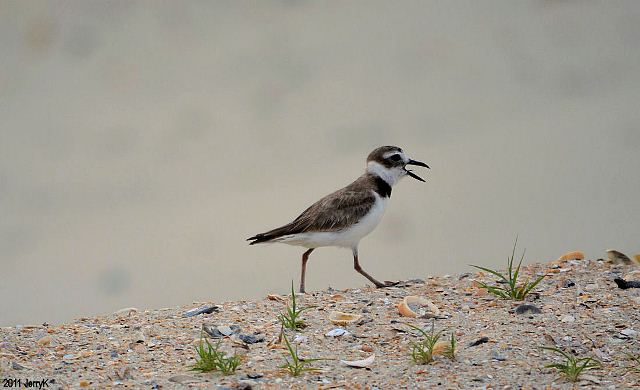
(418, 163)
(414, 176)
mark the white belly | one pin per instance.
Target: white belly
(348, 237)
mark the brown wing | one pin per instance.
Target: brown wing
(337, 211)
(333, 212)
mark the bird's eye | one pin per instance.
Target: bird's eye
(395, 157)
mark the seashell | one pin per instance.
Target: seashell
(440, 347)
(636, 257)
(276, 342)
(340, 318)
(618, 257)
(414, 306)
(276, 297)
(336, 297)
(337, 332)
(44, 341)
(360, 363)
(300, 339)
(575, 255)
(127, 311)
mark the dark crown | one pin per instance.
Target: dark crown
(378, 155)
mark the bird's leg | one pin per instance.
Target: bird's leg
(305, 257)
(356, 266)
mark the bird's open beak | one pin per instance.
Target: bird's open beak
(418, 163)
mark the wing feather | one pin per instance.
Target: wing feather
(336, 211)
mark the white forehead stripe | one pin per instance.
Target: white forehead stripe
(391, 153)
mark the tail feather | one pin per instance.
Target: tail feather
(259, 238)
(271, 235)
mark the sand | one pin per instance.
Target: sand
(582, 311)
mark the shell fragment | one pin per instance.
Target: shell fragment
(342, 319)
(414, 306)
(360, 363)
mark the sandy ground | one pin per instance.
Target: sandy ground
(582, 311)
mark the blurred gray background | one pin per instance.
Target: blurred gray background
(142, 142)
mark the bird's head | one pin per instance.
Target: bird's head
(390, 164)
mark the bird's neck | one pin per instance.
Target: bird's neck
(389, 175)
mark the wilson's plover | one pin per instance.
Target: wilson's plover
(344, 217)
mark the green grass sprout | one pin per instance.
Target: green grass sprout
(210, 358)
(450, 350)
(296, 366)
(291, 319)
(571, 367)
(510, 288)
(422, 351)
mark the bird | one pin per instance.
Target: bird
(344, 217)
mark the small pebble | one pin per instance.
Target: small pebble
(628, 332)
(183, 379)
(221, 331)
(201, 310)
(69, 356)
(591, 287)
(251, 338)
(568, 318)
(299, 339)
(589, 378)
(624, 284)
(366, 348)
(479, 341)
(568, 283)
(225, 330)
(496, 356)
(527, 309)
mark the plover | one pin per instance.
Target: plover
(343, 218)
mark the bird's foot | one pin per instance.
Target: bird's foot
(387, 283)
